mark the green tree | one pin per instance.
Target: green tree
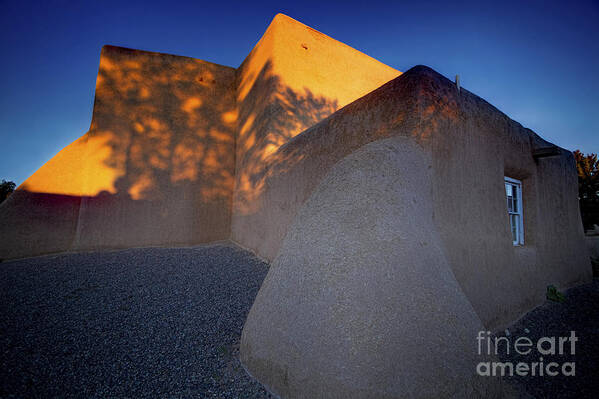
(587, 167)
(6, 188)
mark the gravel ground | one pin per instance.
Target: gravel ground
(149, 322)
(579, 313)
(166, 322)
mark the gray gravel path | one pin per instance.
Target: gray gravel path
(579, 313)
(150, 322)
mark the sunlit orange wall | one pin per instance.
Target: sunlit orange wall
(157, 164)
(293, 78)
(178, 148)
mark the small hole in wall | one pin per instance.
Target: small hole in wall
(201, 79)
(304, 46)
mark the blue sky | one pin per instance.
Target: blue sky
(536, 61)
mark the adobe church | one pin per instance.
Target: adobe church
(401, 214)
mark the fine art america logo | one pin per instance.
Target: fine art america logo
(524, 346)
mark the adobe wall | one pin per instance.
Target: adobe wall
(293, 78)
(474, 146)
(155, 168)
(361, 301)
(171, 136)
(337, 242)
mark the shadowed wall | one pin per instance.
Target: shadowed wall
(350, 227)
(361, 301)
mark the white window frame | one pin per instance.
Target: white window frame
(516, 185)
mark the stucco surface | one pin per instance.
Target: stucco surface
(361, 301)
(473, 146)
(171, 136)
(155, 168)
(293, 78)
(334, 250)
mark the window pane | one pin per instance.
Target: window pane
(513, 191)
(514, 226)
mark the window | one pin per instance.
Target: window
(513, 191)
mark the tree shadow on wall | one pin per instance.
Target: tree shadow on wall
(168, 123)
(158, 164)
(270, 114)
